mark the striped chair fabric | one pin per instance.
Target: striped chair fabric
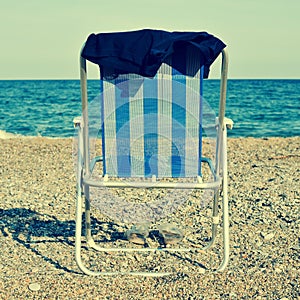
(152, 126)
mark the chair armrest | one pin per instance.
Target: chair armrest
(78, 122)
(228, 122)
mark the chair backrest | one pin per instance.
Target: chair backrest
(152, 126)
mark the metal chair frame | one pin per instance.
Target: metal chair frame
(85, 181)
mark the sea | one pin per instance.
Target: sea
(259, 108)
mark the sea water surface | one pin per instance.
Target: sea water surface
(259, 108)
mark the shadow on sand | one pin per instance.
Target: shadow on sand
(26, 226)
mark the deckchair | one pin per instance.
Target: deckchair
(151, 121)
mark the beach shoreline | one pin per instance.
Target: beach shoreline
(38, 191)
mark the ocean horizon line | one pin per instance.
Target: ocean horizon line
(73, 79)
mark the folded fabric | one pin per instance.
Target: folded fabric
(143, 51)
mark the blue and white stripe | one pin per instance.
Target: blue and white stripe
(152, 126)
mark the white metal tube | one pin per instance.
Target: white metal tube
(223, 88)
(84, 103)
(225, 205)
(87, 181)
(170, 185)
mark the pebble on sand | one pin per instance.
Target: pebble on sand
(34, 286)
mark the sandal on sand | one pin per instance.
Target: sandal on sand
(170, 233)
(137, 234)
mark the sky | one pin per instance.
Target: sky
(42, 39)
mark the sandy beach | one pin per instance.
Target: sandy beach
(37, 228)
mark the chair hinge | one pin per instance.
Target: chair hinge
(78, 122)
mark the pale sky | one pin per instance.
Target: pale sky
(42, 39)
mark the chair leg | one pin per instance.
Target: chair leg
(78, 234)
(215, 221)
(225, 235)
(78, 231)
(79, 206)
(87, 214)
(225, 203)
